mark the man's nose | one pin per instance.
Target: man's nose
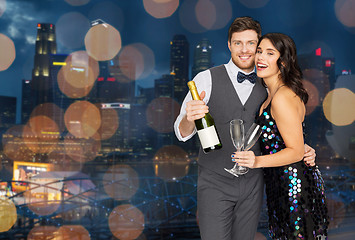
(244, 48)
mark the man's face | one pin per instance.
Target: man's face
(243, 46)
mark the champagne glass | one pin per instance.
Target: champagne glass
(252, 136)
(237, 135)
(249, 141)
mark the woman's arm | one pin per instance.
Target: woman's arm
(288, 112)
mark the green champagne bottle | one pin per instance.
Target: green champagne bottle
(205, 126)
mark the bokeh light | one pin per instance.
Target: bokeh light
(80, 70)
(14, 145)
(254, 3)
(161, 8)
(73, 232)
(44, 200)
(344, 11)
(341, 138)
(43, 233)
(206, 13)
(69, 90)
(8, 214)
(136, 61)
(171, 163)
(161, 114)
(8, 52)
(71, 29)
(2, 7)
(319, 79)
(199, 16)
(51, 111)
(121, 182)
(81, 149)
(82, 119)
(103, 42)
(188, 18)
(41, 134)
(77, 2)
(313, 96)
(338, 107)
(126, 222)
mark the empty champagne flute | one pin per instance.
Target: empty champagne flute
(237, 136)
(249, 141)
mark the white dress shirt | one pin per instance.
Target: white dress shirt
(203, 81)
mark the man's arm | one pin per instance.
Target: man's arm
(191, 110)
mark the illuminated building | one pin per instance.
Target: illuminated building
(28, 102)
(164, 87)
(8, 111)
(179, 65)
(45, 46)
(202, 57)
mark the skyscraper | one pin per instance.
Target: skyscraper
(27, 104)
(45, 46)
(179, 65)
(202, 57)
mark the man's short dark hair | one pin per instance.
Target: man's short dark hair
(241, 24)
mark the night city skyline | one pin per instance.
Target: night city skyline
(318, 27)
(92, 154)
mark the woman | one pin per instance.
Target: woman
(295, 193)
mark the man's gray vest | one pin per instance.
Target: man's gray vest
(225, 105)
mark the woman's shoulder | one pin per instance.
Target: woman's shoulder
(285, 95)
(286, 100)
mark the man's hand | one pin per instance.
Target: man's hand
(196, 109)
(309, 156)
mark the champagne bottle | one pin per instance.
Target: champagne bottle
(205, 126)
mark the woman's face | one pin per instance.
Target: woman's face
(266, 60)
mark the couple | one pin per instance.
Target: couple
(228, 206)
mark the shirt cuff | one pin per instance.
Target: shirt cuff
(177, 131)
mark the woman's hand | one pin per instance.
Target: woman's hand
(244, 158)
(309, 156)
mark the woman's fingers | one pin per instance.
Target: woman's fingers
(244, 158)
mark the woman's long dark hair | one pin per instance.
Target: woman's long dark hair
(291, 73)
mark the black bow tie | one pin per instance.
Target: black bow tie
(251, 77)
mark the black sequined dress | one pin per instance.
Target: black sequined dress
(295, 193)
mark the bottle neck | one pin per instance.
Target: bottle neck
(194, 94)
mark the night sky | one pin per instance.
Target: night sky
(312, 24)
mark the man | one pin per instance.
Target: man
(228, 206)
